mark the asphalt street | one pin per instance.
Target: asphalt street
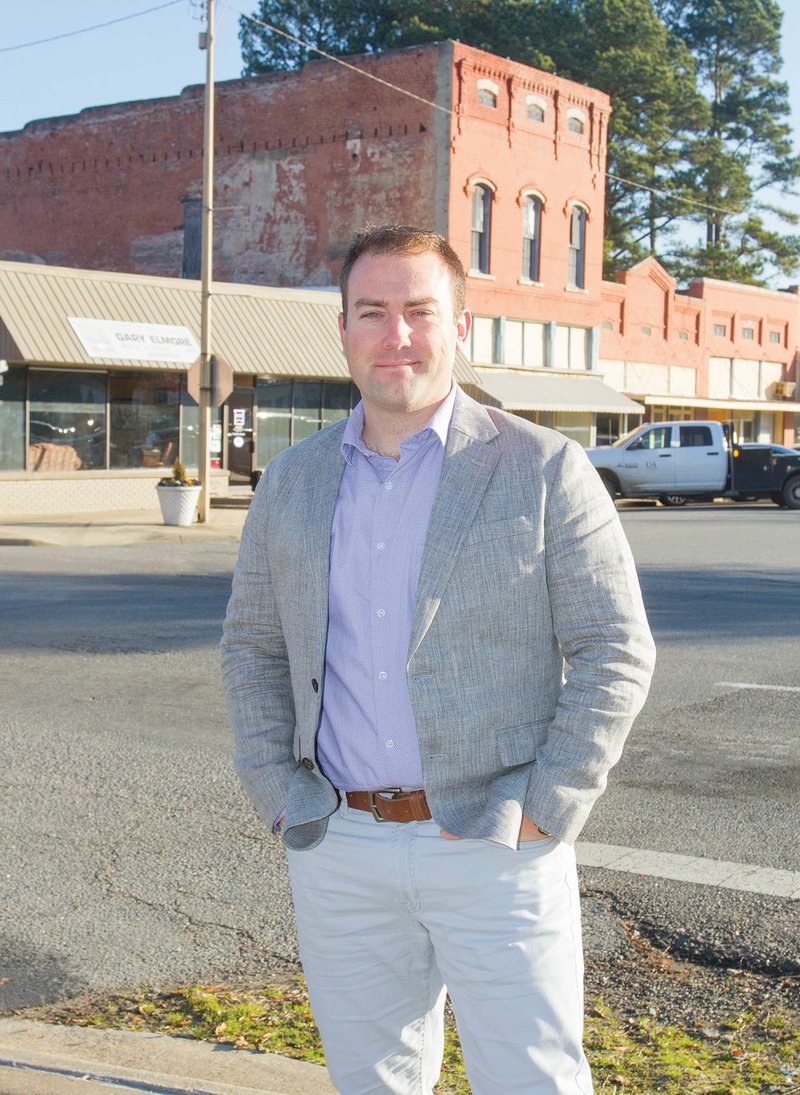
(131, 858)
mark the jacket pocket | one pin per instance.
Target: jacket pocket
(520, 744)
(498, 530)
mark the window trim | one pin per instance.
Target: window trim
(527, 196)
(481, 237)
(580, 118)
(576, 279)
(491, 88)
(540, 103)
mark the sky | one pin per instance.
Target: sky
(156, 54)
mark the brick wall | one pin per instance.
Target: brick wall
(515, 155)
(302, 160)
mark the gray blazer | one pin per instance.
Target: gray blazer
(529, 656)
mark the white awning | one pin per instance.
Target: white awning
(529, 391)
(790, 406)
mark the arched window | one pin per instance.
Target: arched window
(531, 236)
(576, 276)
(487, 93)
(576, 121)
(535, 108)
(481, 228)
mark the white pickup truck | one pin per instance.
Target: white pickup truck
(680, 461)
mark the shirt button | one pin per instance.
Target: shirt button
(381, 612)
(382, 676)
(388, 486)
(390, 744)
(380, 546)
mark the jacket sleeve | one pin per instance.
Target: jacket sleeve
(601, 627)
(256, 673)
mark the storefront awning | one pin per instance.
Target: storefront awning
(788, 406)
(528, 391)
(46, 312)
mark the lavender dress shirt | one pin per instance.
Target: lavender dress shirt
(367, 737)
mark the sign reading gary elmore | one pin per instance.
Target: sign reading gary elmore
(121, 341)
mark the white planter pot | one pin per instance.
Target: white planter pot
(178, 504)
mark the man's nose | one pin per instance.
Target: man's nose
(397, 331)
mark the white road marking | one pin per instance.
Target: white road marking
(687, 868)
(760, 687)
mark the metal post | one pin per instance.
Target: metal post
(207, 393)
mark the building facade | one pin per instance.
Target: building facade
(507, 161)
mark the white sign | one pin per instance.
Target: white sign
(120, 341)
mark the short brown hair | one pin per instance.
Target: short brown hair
(401, 239)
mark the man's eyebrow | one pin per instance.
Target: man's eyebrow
(368, 302)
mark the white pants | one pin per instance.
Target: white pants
(387, 914)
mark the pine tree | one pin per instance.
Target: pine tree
(334, 26)
(745, 152)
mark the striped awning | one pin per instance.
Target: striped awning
(258, 330)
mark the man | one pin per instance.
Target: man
(410, 586)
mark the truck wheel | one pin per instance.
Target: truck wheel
(791, 492)
(673, 499)
(610, 484)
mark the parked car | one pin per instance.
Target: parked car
(679, 462)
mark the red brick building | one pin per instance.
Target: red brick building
(507, 161)
(715, 350)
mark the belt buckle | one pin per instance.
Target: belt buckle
(373, 806)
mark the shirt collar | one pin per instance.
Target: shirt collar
(438, 425)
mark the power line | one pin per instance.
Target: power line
(352, 68)
(345, 64)
(453, 113)
(94, 26)
(670, 194)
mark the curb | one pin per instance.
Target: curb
(47, 1059)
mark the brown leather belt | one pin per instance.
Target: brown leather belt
(391, 804)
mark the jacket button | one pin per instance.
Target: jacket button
(315, 684)
(308, 764)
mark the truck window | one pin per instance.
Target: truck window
(696, 436)
(658, 438)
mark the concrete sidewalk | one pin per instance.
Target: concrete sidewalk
(44, 1059)
(117, 528)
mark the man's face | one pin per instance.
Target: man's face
(401, 336)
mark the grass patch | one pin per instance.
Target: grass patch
(751, 1055)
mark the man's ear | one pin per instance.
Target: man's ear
(463, 328)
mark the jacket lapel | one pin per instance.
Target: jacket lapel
(315, 499)
(469, 462)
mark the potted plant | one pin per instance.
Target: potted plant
(178, 495)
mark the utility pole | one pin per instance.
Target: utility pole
(208, 378)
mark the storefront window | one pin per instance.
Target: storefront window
(336, 401)
(307, 408)
(274, 419)
(190, 428)
(12, 420)
(144, 419)
(608, 428)
(576, 426)
(289, 410)
(67, 421)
